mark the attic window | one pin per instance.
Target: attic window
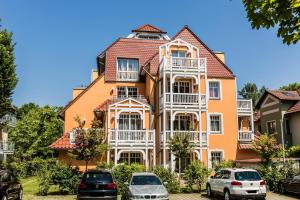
(149, 37)
(128, 69)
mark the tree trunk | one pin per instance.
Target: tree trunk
(86, 165)
(179, 170)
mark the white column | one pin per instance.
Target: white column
(146, 149)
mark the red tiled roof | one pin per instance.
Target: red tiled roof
(148, 28)
(129, 48)
(245, 146)
(215, 67)
(294, 108)
(104, 105)
(285, 95)
(62, 143)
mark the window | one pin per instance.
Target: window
(179, 54)
(271, 127)
(182, 123)
(225, 174)
(180, 87)
(130, 122)
(128, 69)
(149, 37)
(72, 137)
(214, 90)
(124, 92)
(216, 157)
(130, 158)
(215, 123)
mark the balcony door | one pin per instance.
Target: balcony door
(180, 87)
(130, 122)
(178, 58)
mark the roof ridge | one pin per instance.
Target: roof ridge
(156, 29)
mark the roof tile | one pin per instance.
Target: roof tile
(148, 28)
(62, 143)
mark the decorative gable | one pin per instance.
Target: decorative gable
(269, 101)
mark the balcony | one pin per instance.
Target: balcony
(184, 64)
(185, 99)
(245, 136)
(131, 137)
(8, 119)
(127, 75)
(7, 147)
(122, 97)
(195, 136)
(244, 106)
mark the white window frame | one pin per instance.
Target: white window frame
(220, 89)
(221, 132)
(72, 137)
(215, 150)
(126, 91)
(127, 79)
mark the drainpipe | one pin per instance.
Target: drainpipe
(282, 139)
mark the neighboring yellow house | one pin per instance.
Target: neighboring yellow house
(148, 88)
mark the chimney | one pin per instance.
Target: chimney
(94, 74)
(77, 91)
(220, 55)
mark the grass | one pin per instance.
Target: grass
(31, 186)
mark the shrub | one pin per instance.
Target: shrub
(225, 164)
(44, 179)
(168, 177)
(104, 165)
(196, 174)
(123, 172)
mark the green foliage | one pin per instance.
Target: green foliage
(169, 177)
(181, 146)
(291, 86)
(251, 91)
(293, 151)
(196, 174)
(123, 172)
(35, 131)
(25, 109)
(283, 14)
(105, 165)
(8, 77)
(225, 164)
(267, 148)
(65, 177)
(90, 143)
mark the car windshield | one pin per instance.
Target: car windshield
(145, 180)
(99, 177)
(247, 176)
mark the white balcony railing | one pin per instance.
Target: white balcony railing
(245, 136)
(195, 136)
(8, 119)
(244, 105)
(179, 63)
(131, 137)
(185, 99)
(127, 76)
(7, 147)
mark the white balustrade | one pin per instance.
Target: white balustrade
(131, 136)
(7, 147)
(245, 136)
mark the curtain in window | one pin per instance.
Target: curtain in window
(214, 89)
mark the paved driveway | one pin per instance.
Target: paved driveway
(270, 196)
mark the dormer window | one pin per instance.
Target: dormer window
(128, 69)
(149, 37)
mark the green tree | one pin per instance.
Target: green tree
(267, 148)
(35, 131)
(8, 77)
(283, 14)
(196, 174)
(291, 86)
(89, 143)
(181, 147)
(25, 109)
(251, 91)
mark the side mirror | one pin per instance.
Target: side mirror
(126, 183)
(165, 183)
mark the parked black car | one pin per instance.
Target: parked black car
(291, 184)
(97, 184)
(10, 187)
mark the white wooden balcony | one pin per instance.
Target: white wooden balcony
(246, 136)
(244, 106)
(185, 99)
(184, 64)
(195, 136)
(127, 75)
(131, 137)
(8, 119)
(7, 147)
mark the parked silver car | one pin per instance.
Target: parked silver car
(145, 186)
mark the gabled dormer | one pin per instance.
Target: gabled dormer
(149, 32)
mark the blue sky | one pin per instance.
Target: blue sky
(58, 40)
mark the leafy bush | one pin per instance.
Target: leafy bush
(225, 164)
(123, 172)
(65, 177)
(104, 165)
(196, 174)
(294, 151)
(168, 177)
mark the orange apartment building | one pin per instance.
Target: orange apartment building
(149, 87)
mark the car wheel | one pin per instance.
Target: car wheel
(282, 188)
(226, 195)
(208, 191)
(20, 196)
